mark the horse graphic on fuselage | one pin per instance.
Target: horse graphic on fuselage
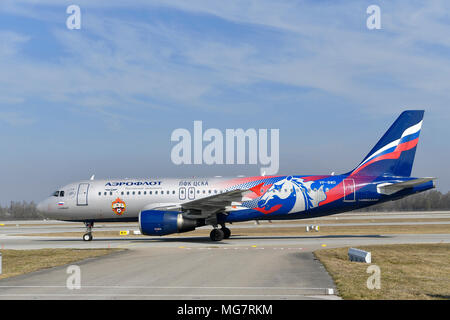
(290, 195)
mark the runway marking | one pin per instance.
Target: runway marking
(237, 248)
(156, 295)
(157, 287)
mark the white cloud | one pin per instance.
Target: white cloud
(324, 46)
(10, 42)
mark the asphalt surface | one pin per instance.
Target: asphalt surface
(173, 273)
(242, 267)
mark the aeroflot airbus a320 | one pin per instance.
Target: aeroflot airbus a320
(166, 206)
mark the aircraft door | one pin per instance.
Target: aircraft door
(182, 193)
(349, 190)
(191, 193)
(82, 197)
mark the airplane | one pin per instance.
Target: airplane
(175, 205)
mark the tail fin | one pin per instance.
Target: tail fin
(394, 154)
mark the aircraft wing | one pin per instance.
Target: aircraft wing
(390, 188)
(217, 202)
(204, 207)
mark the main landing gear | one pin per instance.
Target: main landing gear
(219, 234)
(88, 235)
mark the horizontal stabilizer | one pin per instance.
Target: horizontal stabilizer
(390, 188)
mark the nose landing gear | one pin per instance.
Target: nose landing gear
(88, 235)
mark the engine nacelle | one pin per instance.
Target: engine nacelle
(160, 223)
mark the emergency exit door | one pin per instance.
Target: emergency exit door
(349, 190)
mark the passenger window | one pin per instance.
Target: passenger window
(128, 193)
(110, 193)
(145, 192)
(156, 192)
(99, 193)
(105, 193)
(139, 193)
(122, 193)
(173, 192)
(134, 193)
(150, 192)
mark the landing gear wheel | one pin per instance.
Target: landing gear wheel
(216, 235)
(226, 232)
(87, 237)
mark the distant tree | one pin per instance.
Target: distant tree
(20, 211)
(425, 201)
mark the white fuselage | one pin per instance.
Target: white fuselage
(94, 199)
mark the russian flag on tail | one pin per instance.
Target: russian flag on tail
(394, 154)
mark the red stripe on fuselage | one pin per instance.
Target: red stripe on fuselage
(258, 190)
(274, 208)
(334, 194)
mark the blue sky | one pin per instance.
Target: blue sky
(105, 99)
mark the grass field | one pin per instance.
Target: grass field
(17, 262)
(409, 271)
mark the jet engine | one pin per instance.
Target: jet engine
(160, 223)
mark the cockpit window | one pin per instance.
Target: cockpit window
(61, 193)
(56, 194)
